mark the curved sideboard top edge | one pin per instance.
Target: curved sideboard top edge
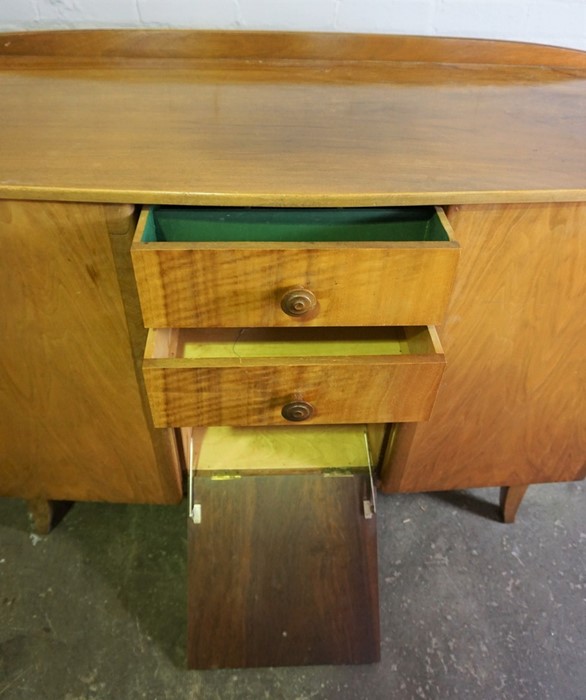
(258, 44)
(84, 121)
(293, 199)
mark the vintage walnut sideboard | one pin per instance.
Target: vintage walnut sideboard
(322, 232)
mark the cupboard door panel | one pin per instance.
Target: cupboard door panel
(510, 409)
(72, 419)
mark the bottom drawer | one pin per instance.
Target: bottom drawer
(255, 377)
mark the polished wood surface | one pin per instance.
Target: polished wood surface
(282, 572)
(72, 423)
(121, 221)
(297, 120)
(510, 500)
(247, 391)
(263, 45)
(312, 130)
(226, 285)
(511, 406)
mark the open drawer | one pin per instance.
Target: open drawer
(253, 377)
(245, 267)
(282, 552)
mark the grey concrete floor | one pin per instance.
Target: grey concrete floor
(470, 608)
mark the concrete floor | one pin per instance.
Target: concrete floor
(470, 608)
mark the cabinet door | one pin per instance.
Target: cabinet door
(72, 423)
(510, 409)
(282, 571)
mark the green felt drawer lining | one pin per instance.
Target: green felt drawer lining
(239, 224)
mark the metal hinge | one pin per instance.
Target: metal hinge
(369, 504)
(194, 506)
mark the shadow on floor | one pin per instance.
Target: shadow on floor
(469, 501)
(141, 552)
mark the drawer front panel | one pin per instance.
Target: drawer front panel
(349, 283)
(255, 391)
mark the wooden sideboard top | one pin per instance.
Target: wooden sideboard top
(239, 118)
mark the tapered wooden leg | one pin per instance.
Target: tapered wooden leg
(46, 514)
(511, 497)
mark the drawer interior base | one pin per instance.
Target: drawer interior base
(284, 450)
(239, 344)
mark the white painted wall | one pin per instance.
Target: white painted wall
(557, 22)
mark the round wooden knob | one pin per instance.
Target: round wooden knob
(298, 302)
(297, 411)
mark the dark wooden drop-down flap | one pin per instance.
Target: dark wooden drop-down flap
(282, 572)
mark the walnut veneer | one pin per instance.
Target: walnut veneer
(303, 120)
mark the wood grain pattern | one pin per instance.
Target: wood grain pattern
(253, 390)
(262, 45)
(121, 222)
(282, 571)
(510, 409)
(304, 132)
(231, 285)
(296, 120)
(72, 424)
